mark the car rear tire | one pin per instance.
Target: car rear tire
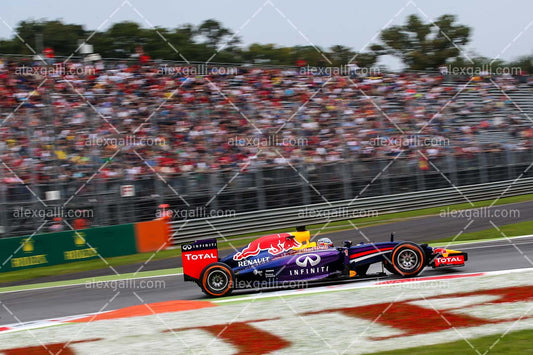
(216, 280)
(408, 259)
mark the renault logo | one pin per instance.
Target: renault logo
(308, 260)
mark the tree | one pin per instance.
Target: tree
(341, 55)
(418, 44)
(123, 38)
(63, 38)
(523, 63)
(424, 46)
(215, 34)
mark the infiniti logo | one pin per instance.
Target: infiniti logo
(308, 260)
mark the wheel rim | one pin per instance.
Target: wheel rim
(408, 259)
(218, 280)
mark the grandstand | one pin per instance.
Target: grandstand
(95, 128)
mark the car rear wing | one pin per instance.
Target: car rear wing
(196, 256)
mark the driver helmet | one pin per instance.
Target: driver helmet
(324, 243)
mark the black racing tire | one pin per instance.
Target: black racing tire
(216, 280)
(408, 259)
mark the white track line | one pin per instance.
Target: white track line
(88, 282)
(496, 246)
(369, 284)
(466, 242)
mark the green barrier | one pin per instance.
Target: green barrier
(64, 247)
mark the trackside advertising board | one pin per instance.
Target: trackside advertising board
(65, 247)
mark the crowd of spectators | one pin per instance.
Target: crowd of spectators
(126, 119)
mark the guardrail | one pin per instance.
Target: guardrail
(290, 217)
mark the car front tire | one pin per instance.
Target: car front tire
(408, 259)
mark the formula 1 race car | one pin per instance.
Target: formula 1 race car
(289, 259)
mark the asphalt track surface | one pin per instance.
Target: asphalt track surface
(418, 229)
(30, 305)
(48, 303)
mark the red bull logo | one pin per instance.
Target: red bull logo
(275, 244)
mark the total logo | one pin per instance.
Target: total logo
(203, 256)
(451, 260)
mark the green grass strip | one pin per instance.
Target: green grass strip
(507, 230)
(512, 343)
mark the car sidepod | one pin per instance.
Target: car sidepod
(309, 265)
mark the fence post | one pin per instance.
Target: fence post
(159, 189)
(260, 189)
(100, 203)
(305, 185)
(214, 189)
(3, 209)
(36, 204)
(237, 192)
(420, 179)
(34, 176)
(510, 161)
(123, 205)
(385, 185)
(482, 163)
(346, 180)
(452, 168)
